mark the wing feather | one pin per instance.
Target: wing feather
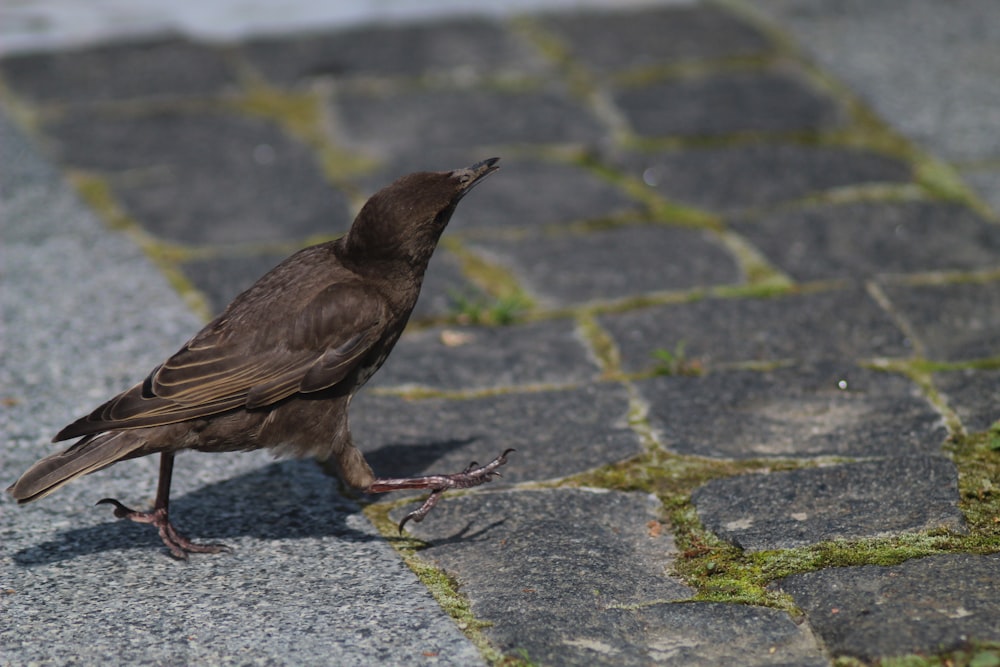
(240, 361)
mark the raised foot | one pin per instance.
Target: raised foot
(179, 545)
(472, 476)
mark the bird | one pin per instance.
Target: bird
(278, 367)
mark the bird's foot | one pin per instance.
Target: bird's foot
(179, 545)
(472, 476)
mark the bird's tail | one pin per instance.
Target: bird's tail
(85, 456)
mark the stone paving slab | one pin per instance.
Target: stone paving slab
(476, 358)
(574, 269)
(448, 118)
(839, 324)
(862, 240)
(973, 394)
(925, 605)
(627, 40)
(125, 70)
(831, 409)
(953, 321)
(732, 178)
(518, 202)
(920, 68)
(777, 101)
(460, 47)
(796, 508)
(592, 590)
(167, 169)
(597, 554)
(400, 436)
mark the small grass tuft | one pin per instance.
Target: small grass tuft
(491, 311)
(674, 362)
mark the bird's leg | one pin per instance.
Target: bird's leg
(179, 545)
(474, 475)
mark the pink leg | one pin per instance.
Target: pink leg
(179, 545)
(474, 475)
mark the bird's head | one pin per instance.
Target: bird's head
(404, 220)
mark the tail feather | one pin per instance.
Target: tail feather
(88, 455)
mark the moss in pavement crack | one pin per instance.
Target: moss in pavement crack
(443, 588)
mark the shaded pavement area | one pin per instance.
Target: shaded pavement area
(734, 297)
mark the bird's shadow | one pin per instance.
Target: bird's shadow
(289, 499)
(401, 459)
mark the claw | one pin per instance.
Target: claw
(179, 545)
(418, 515)
(121, 511)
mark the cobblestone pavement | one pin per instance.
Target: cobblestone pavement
(734, 297)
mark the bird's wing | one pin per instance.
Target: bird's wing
(241, 360)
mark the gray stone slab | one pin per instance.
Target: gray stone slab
(793, 412)
(731, 102)
(954, 322)
(457, 358)
(86, 314)
(442, 119)
(527, 194)
(117, 71)
(926, 67)
(455, 47)
(926, 605)
(796, 508)
(558, 572)
(865, 239)
(837, 324)
(622, 40)
(167, 168)
(986, 183)
(973, 394)
(614, 263)
(733, 178)
(310, 580)
(556, 433)
(709, 634)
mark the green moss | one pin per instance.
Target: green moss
(492, 278)
(693, 69)
(554, 50)
(977, 457)
(602, 346)
(973, 654)
(919, 372)
(757, 269)
(868, 192)
(303, 116)
(943, 182)
(96, 193)
(720, 572)
(490, 311)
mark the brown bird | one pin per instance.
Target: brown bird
(278, 367)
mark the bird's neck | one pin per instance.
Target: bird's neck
(399, 277)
